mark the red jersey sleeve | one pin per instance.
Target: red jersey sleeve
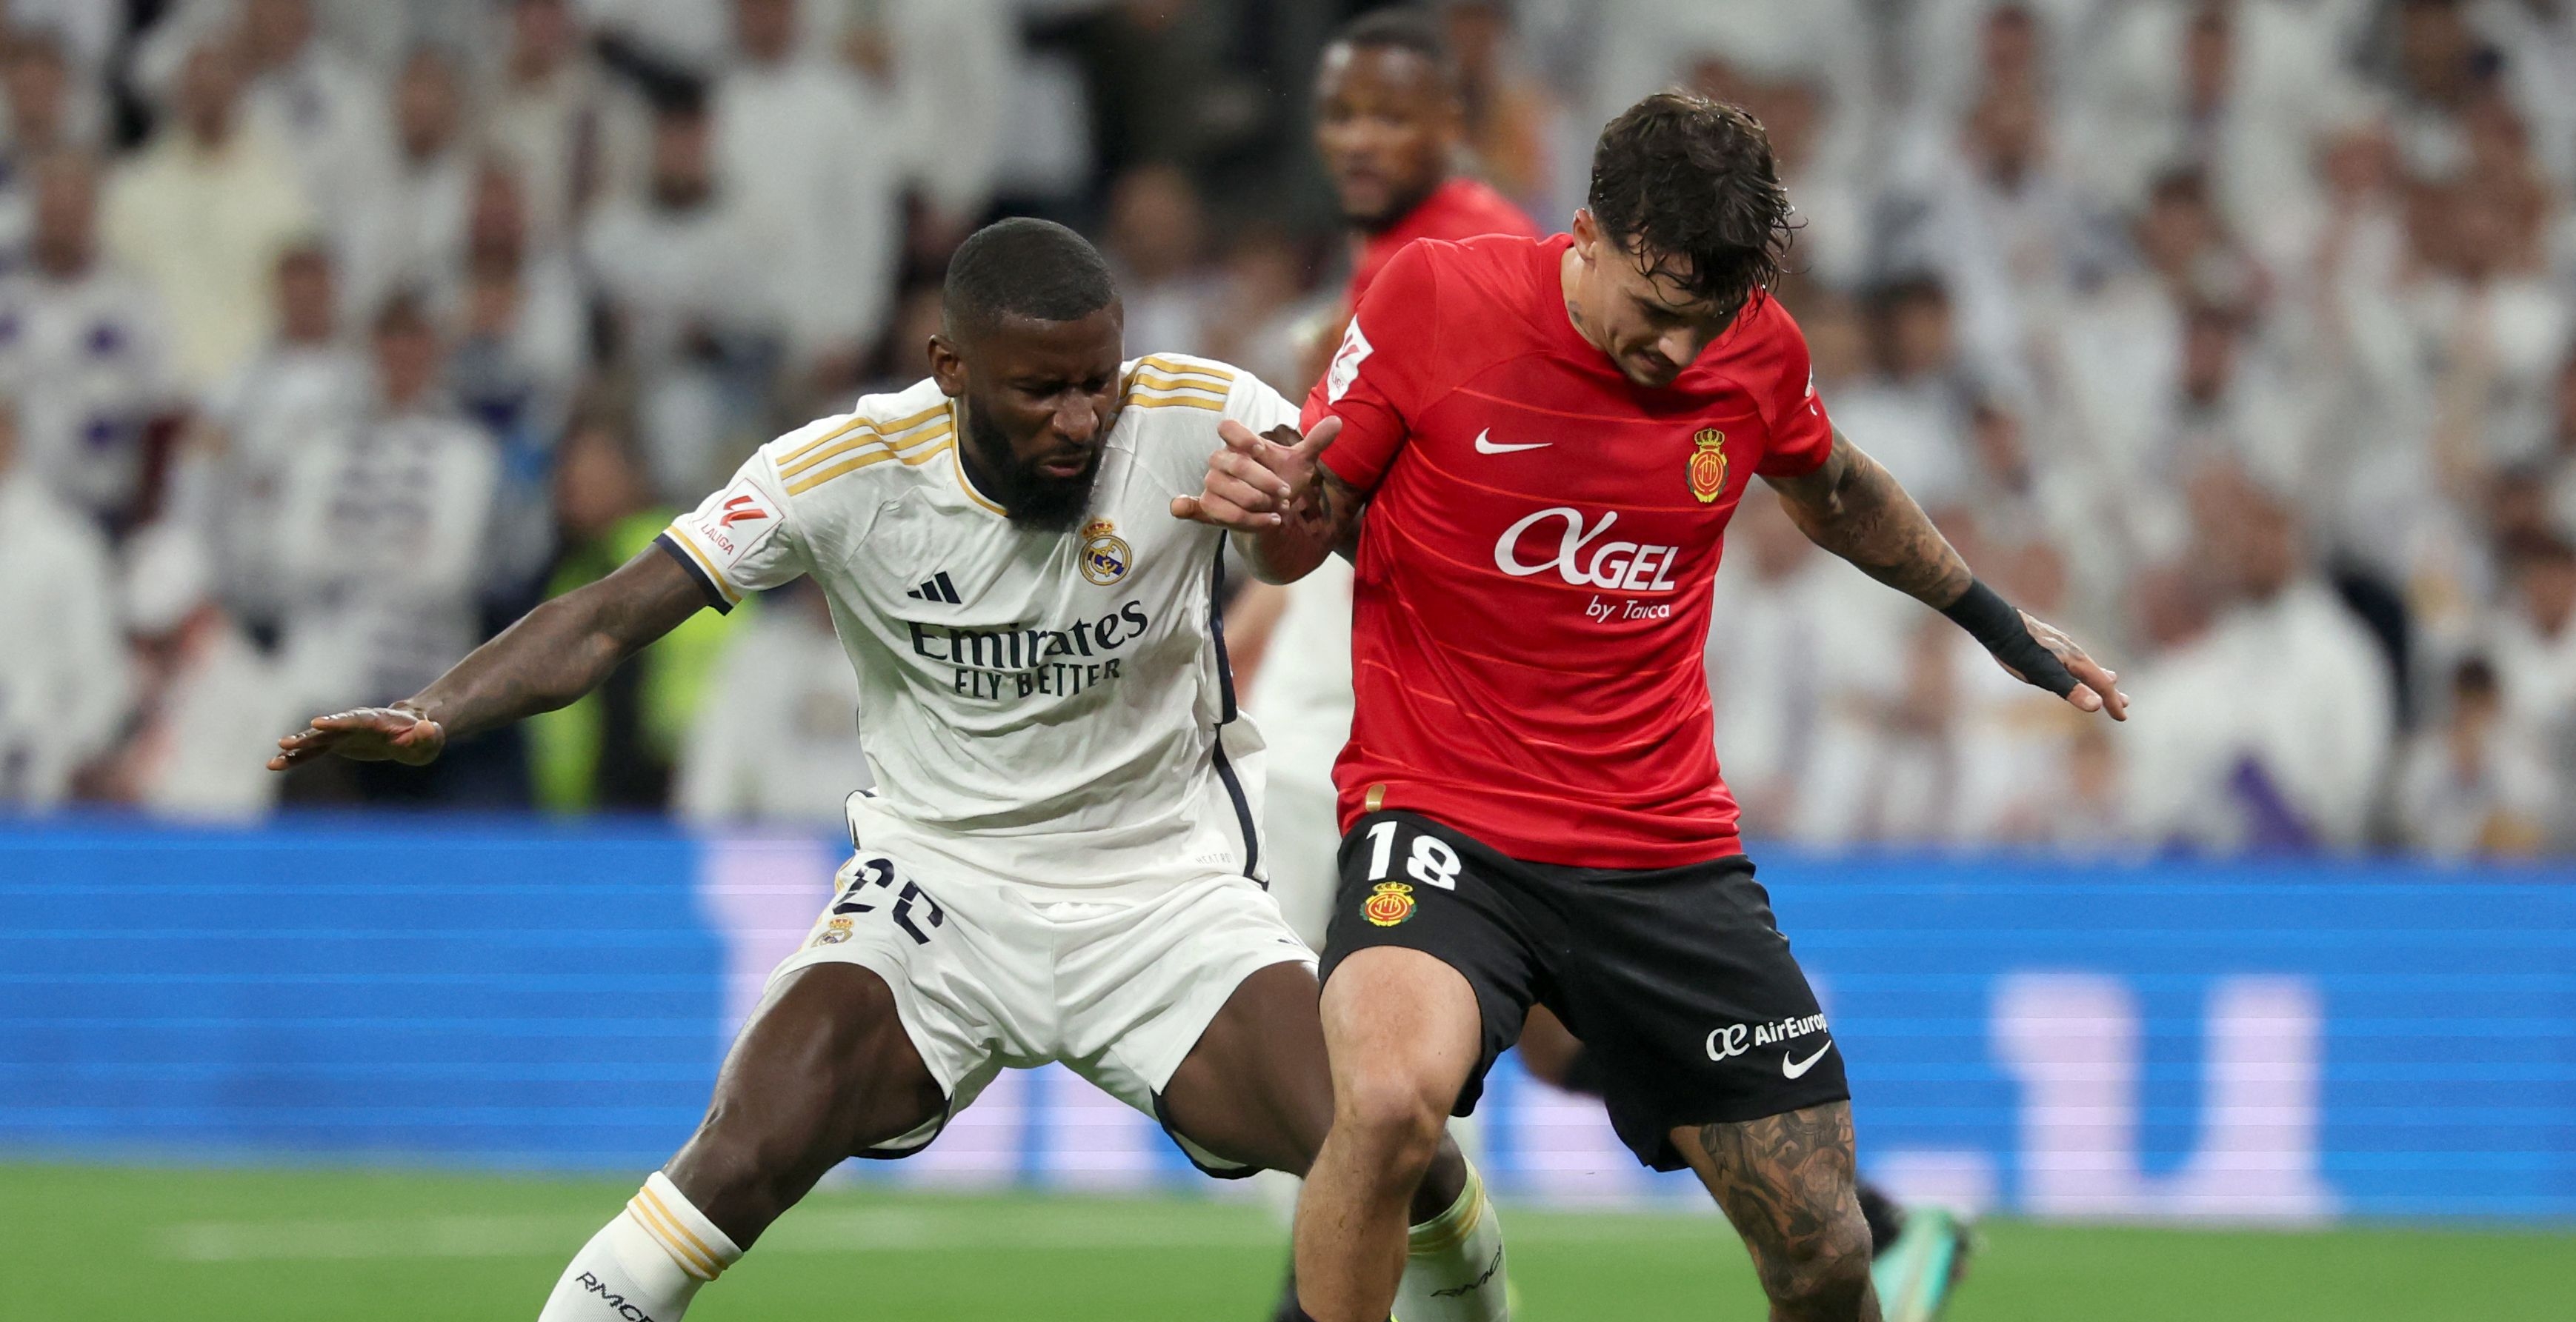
(1801, 434)
(1378, 377)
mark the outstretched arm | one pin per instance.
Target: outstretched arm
(1285, 510)
(1854, 508)
(558, 652)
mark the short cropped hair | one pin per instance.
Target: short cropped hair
(1024, 267)
(1406, 28)
(1689, 187)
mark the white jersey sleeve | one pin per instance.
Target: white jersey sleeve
(744, 538)
(1198, 387)
(1254, 404)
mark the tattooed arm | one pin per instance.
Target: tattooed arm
(1284, 510)
(560, 651)
(1853, 507)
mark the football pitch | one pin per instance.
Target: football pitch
(99, 1242)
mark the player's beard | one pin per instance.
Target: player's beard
(1031, 499)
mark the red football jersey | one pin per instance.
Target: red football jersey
(1462, 208)
(1533, 589)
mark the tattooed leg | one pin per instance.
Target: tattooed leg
(1786, 1183)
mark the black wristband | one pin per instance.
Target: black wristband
(1994, 622)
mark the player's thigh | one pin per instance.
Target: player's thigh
(1430, 965)
(823, 1065)
(1689, 1002)
(1255, 1089)
(1405, 1036)
(1548, 1048)
(1196, 1005)
(866, 1033)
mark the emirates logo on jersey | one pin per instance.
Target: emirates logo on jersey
(1708, 465)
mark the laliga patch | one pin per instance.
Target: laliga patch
(733, 521)
(1345, 370)
(1389, 904)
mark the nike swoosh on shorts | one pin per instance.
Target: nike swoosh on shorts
(1795, 1068)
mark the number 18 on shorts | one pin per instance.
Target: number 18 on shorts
(1677, 979)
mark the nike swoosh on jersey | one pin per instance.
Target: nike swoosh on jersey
(1795, 1068)
(1485, 445)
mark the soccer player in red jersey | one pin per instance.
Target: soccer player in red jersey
(1535, 447)
(1389, 125)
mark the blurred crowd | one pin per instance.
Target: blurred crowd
(2237, 336)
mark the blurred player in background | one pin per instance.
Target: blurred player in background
(1535, 449)
(1060, 862)
(1389, 125)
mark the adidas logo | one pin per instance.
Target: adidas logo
(938, 588)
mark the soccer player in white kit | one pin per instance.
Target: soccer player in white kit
(1060, 862)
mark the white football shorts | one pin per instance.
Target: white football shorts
(990, 973)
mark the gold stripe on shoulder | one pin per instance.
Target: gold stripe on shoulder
(867, 424)
(921, 452)
(803, 485)
(1175, 402)
(1176, 367)
(1157, 381)
(920, 436)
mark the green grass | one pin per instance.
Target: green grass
(95, 1242)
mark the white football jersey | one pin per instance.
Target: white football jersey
(1045, 707)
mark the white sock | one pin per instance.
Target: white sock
(645, 1265)
(1453, 1266)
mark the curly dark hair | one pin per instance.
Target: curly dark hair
(1688, 187)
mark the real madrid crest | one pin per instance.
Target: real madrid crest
(1105, 556)
(1389, 904)
(1708, 464)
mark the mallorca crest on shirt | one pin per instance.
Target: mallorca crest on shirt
(1105, 555)
(1708, 464)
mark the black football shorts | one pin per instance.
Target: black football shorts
(1677, 979)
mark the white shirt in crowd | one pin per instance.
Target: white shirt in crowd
(291, 410)
(2454, 802)
(86, 359)
(776, 737)
(62, 656)
(811, 157)
(2289, 711)
(1785, 650)
(205, 230)
(384, 549)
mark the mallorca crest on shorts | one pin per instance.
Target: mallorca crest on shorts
(1708, 465)
(1105, 556)
(1390, 904)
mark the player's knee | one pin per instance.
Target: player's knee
(1821, 1275)
(1395, 1115)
